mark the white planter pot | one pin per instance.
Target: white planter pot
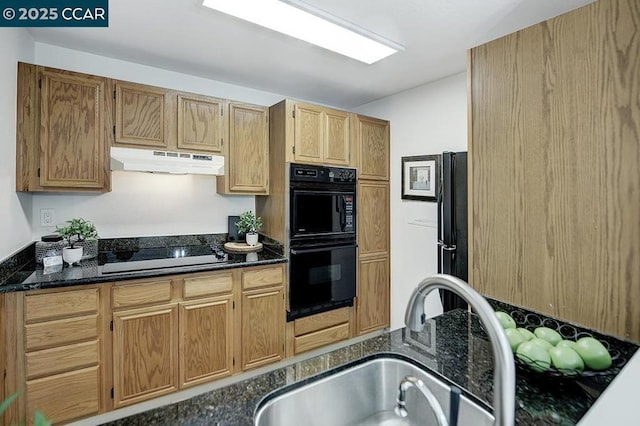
(72, 255)
(252, 238)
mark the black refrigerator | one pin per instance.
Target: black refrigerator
(452, 224)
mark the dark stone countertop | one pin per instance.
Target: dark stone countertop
(453, 345)
(21, 273)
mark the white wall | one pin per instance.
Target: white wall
(142, 203)
(15, 230)
(429, 119)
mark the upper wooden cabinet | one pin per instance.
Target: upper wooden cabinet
(247, 151)
(200, 123)
(313, 134)
(62, 143)
(141, 115)
(372, 144)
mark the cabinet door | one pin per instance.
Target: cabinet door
(145, 348)
(72, 136)
(263, 322)
(200, 123)
(248, 158)
(140, 115)
(372, 309)
(308, 133)
(373, 148)
(336, 149)
(206, 342)
(373, 218)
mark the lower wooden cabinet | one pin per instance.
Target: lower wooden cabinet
(263, 321)
(373, 294)
(315, 331)
(145, 354)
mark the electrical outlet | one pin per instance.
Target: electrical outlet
(47, 217)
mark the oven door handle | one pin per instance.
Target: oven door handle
(315, 250)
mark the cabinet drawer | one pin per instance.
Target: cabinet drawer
(320, 338)
(65, 396)
(58, 360)
(207, 285)
(320, 321)
(141, 293)
(61, 332)
(39, 307)
(262, 277)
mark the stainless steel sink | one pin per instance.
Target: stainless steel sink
(364, 394)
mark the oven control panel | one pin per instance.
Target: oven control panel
(310, 173)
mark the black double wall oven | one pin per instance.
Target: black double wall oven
(322, 239)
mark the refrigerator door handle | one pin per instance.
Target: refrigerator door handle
(446, 247)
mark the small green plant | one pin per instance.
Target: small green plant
(38, 418)
(77, 230)
(249, 223)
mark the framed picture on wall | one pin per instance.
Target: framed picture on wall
(420, 177)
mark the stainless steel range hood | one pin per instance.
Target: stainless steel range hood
(145, 160)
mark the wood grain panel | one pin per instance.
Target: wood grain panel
(208, 285)
(248, 148)
(60, 332)
(373, 218)
(46, 306)
(321, 338)
(140, 115)
(372, 303)
(309, 133)
(373, 146)
(337, 139)
(3, 346)
(14, 349)
(72, 130)
(200, 125)
(27, 128)
(321, 321)
(556, 167)
(66, 396)
(59, 360)
(145, 350)
(263, 277)
(141, 293)
(206, 340)
(263, 323)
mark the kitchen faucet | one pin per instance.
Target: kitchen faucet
(409, 382)
(504, 375)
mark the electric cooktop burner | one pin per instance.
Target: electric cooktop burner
(120, 261)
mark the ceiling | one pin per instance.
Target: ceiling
(184, 36)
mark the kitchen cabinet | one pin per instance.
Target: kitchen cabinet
(142, 115)
(247, 151)
(263, 316)
(200, 123)
(61, 133)
(312, 134)
(56, 350)
(372, 144)
(372, 303)
(315, 331)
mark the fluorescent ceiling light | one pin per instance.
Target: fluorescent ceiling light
(307, 23)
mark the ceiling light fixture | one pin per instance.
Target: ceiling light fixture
(305, 22)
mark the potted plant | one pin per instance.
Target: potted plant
(76, 233)
(249, 224)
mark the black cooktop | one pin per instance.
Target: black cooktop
(144, 259)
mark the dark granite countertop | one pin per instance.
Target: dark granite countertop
(453, 345)
(20, 272)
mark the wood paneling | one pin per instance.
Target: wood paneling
(141, 115)
(145, 350)
(247, 161)
(263, 322)
(72, 130)
(206, 340)
(61, 359)
(66, 396)
(373, 147)
(321, 321)
(60, 332)
(373, 218)
(556, 167)
(207, 285)
(373, 294)
(337, 139)
(262, 277)
(321, 338)
(309, 133)
(48, 306)
(200, 123)
(141, 293)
